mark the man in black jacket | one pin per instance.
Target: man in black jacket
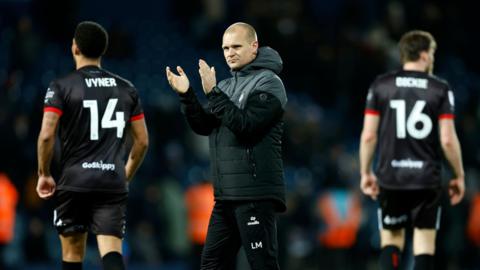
(243, 120)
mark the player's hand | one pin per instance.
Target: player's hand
(179, 83)
(207, 73)
(45, 187)
(369, 185)
(456, 190)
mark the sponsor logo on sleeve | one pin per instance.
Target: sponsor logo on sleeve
(49, 94)
(370, 95)
(451, 98)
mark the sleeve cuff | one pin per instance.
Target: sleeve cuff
(446, 116)
(54, 110)
(137, 117)
(187, 94)
(215, 92)
(372, 112)
(188, 97)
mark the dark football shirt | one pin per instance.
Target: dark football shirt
(410, 105)
(96, 108)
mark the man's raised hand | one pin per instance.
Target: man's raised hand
(207, 74)
(179, 83)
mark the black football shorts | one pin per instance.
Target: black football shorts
(401, 208)
(98, 212)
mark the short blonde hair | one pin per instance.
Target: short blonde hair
(413, 43)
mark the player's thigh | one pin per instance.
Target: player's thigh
(392, 238)
(223, 240)
(424, 241)
(71, 213)
(258, 230)
(109, 243)
(73, 246)
(109, 214)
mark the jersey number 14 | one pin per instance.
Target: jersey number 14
(107, 121)
(409, 124)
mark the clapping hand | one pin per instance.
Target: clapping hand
(179, 83)
(207, 73)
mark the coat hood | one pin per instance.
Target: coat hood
(267, 58)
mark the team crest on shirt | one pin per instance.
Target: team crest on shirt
(49, 94)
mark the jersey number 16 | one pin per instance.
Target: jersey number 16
(107, 122)
(409, 124)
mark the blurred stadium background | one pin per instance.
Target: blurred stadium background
(332, 50)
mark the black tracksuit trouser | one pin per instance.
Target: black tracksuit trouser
(251, 224)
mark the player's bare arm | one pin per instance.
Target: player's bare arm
(139, 148)
(207, 74)
(179, 83)
(46, 141)
(368, 142)
(453, 153)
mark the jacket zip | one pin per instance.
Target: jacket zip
(220, 191)
(234, 83)
(219, 177)
(251, 162)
